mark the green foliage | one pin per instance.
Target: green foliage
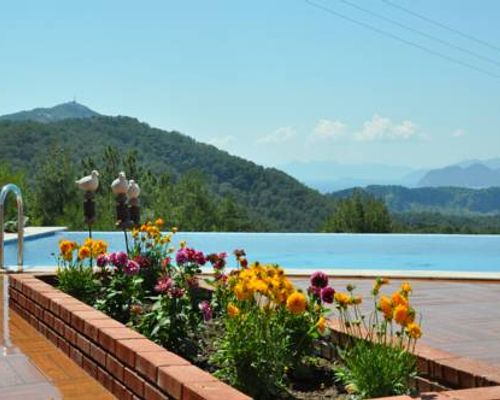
(255, 348)
(119, 293)
(359, 213)
(264, 198)
(78, 281)
(372, 370)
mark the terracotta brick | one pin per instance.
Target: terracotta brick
(91, 328)
(76, 355)
(52, 336)
(114, 367)
(126, 349)
(56, 299)
(133, 382)
(172, 379)
(83, 344)
(78, 318)
(97, 354)
(152, 393)
(105, 378)
(42, 300)
(48, 319)
(108, 337)
(89, 366)
(211, 391)
(70, 334)
(63, 345)
(67, 308)
(147, 363)
(59, 326)
(120, 391)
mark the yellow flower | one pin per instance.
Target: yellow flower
(242, 292)
(406, 289)
(83, 253)
(99, 247)
(342, 299)
(232, 310)
(321, 325)
(174, 229)
(414, 330)
(182, 244)
(355, 300)
(159, 222)
(135, 233)
(296, 303)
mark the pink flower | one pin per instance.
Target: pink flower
(165, 263)
(319, 279)
(188, 255)
(314, 290)
(131, 268)
(206, 310)
(327, 294)
(163, 284)
(119, 259)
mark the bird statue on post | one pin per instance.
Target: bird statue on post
(133, 199)
(89, 184)
(120, 188)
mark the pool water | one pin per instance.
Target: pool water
(457, 253)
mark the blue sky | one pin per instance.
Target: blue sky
(272, 81)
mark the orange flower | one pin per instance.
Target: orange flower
(385, 305)
(159, 222)
(399, 300)
(296, 303)
(83, 253)
(406, 289)
(66, 246)
(232, 310)
(403, 315)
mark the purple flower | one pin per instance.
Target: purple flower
(319, 279)
(163, 284)
(112, 258)
(327, 294)
(206, 310)
(131, 268)
(314, 290)
(102, 260)
(144, 262)
(187, 254)
(199, 258)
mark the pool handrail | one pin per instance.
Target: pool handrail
(10, 187)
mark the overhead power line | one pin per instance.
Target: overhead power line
(424, 34)
(400, 39)
(441, 25)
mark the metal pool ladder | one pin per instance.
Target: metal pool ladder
(20, 224)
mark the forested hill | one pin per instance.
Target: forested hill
(445, 200)
(278, 200)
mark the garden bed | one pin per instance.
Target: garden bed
(129, 365)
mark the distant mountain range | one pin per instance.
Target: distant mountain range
(444, 200)
(70, 110)
(328, 176)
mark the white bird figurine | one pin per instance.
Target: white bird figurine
(89, 183)
(133, 189)
(120, 184)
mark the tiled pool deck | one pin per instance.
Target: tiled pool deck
(458, 316)
(33, 368)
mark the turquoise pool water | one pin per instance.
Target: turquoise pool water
(456, 253)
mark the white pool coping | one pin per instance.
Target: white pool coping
(33, 231)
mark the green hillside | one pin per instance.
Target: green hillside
(276, 200)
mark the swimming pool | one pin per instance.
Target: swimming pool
(306, 251)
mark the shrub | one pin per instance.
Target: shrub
(74, 272)
(377, 361)
(269, 327)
